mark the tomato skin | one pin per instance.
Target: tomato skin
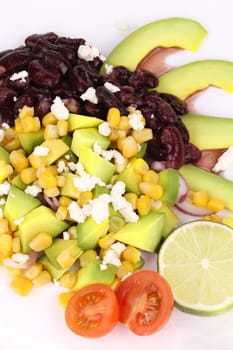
(146, 302)
(92, 311)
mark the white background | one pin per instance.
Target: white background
(37, 322)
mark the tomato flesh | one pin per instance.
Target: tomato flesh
(145, 301)
(93, 311)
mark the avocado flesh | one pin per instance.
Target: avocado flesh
(202, 180)
(131, 179)
(88, 137)
(171, 219)
(48, 266)
(57, 148)
(169, 180)
(144, 234)
(41, 219)
(89, 232)
(169, 32)
(30, 140)
(4, 155)
(17, 182)
(209, 132)
(78, 121)
(189, 78)
(68, 189)
(91, 273)
(58, 246)
(18, 204)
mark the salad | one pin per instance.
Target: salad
(99, 158)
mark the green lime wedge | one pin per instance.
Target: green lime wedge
(197, 261)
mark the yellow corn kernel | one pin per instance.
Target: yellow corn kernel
(143, 135)
(5, 170)
(144, 204)
(18, 126)
(65, 260)
(21, 285)
(4, 226)
(64, 201)
(37, 123)
(12, 145)
(13, 272)
(123, 123)
(37, 161)
(72, 230)
(62, 127)
(16, 245)
(47, 180)
(87, 256)
(113, 117)
(227, 220)
(215, 218)
(61, 212)
(140, 166)
(129, 147)
(84, 198)
(49, 118)
(215, 204)
(43, 278)
(61, 180)
(52, 192)
(41, 241)
(5, 242)
(51, 132)
(28, 124)
(131, 254)
(18, 160)
(150, 176)
(122, 133)
(28, 175)
(113, 136)
(124, 269)
(200, 198)
(116, 282)
(106, 241)
(26, 111)
(33, 271)
(64, 298)
(16, 233)
(69, 279)
(132, 198)
(155, 191)
(120, 142)
(4, 255)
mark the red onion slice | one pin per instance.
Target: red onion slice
(187, 207)
(183, 190)
(33, 256)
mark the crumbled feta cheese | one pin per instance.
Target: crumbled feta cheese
(86, 182)
(67, 156)
(41, 151)
(136, 121)
(128, 213)
(2, 135)
(61, 167)
(18, 221)
(4, 188)
(1, 213)
(109, 154)
(2, 201)
(33, 190)
(224, 161)
(98, 208)
(76, 213)
(5, 126)
(110, 258)
(72, 166)
(104, 129)
(90, 95)
(20, 258)
(108, 68)
(88, 52)
(21, 76)
(118, 247)
(111, 87)
(66, 235)
(59, 109)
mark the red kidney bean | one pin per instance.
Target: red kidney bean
(108, 99)
(23, 100)
(7, 97)
(6, 116)
(120, 75)
(72, 104)
(143, 78)
(75, 43)
(14, 61)
(96, 110)
(183, 130)
(31, 40)
(43, 76)
(177, 104)
(172, 140)
(18, 84)
(43, 106)
(192, 153)
(126, 95)
(54, 59)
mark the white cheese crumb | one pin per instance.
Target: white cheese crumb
(76, 213)
(90, 95)
(110, 258)
(111, 87)
(109, 154)
(98, 208)
(67, 156)
(104, 129)
(22, 75)
(59, 109)
(66, 235)
(18, 221)
(108, 68)
(72, 166)
(4, 188)
(1, 213)
(5, 126)
(33, 190)
(136, 121)
(61, 167)
(41, 151)
(20, 258)
(225, 161)
(88, 52)
(118, 247)
(85, 182)
(2, 201)
(2, 135)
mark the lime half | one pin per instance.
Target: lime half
(197, 261)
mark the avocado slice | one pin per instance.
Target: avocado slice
(55, 272)
(68, 189)
(206, 133)
(4, 155)
(79, 121)
(18, 204)
(169, 32)
(171, 219)
(57, 149)
(41, 219)
(96, 165)
(169, 180)
(30, 140)
(144, 234)
(18, 182)
(189, 78)
(91, 273)
(88, 137)
(58, 246)
(68, 140)
(202, 180)
(89, 232)
(130, 178)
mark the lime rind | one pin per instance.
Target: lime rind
(197, 261)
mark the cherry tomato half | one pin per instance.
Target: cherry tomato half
(92, 311)
(145, 301)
